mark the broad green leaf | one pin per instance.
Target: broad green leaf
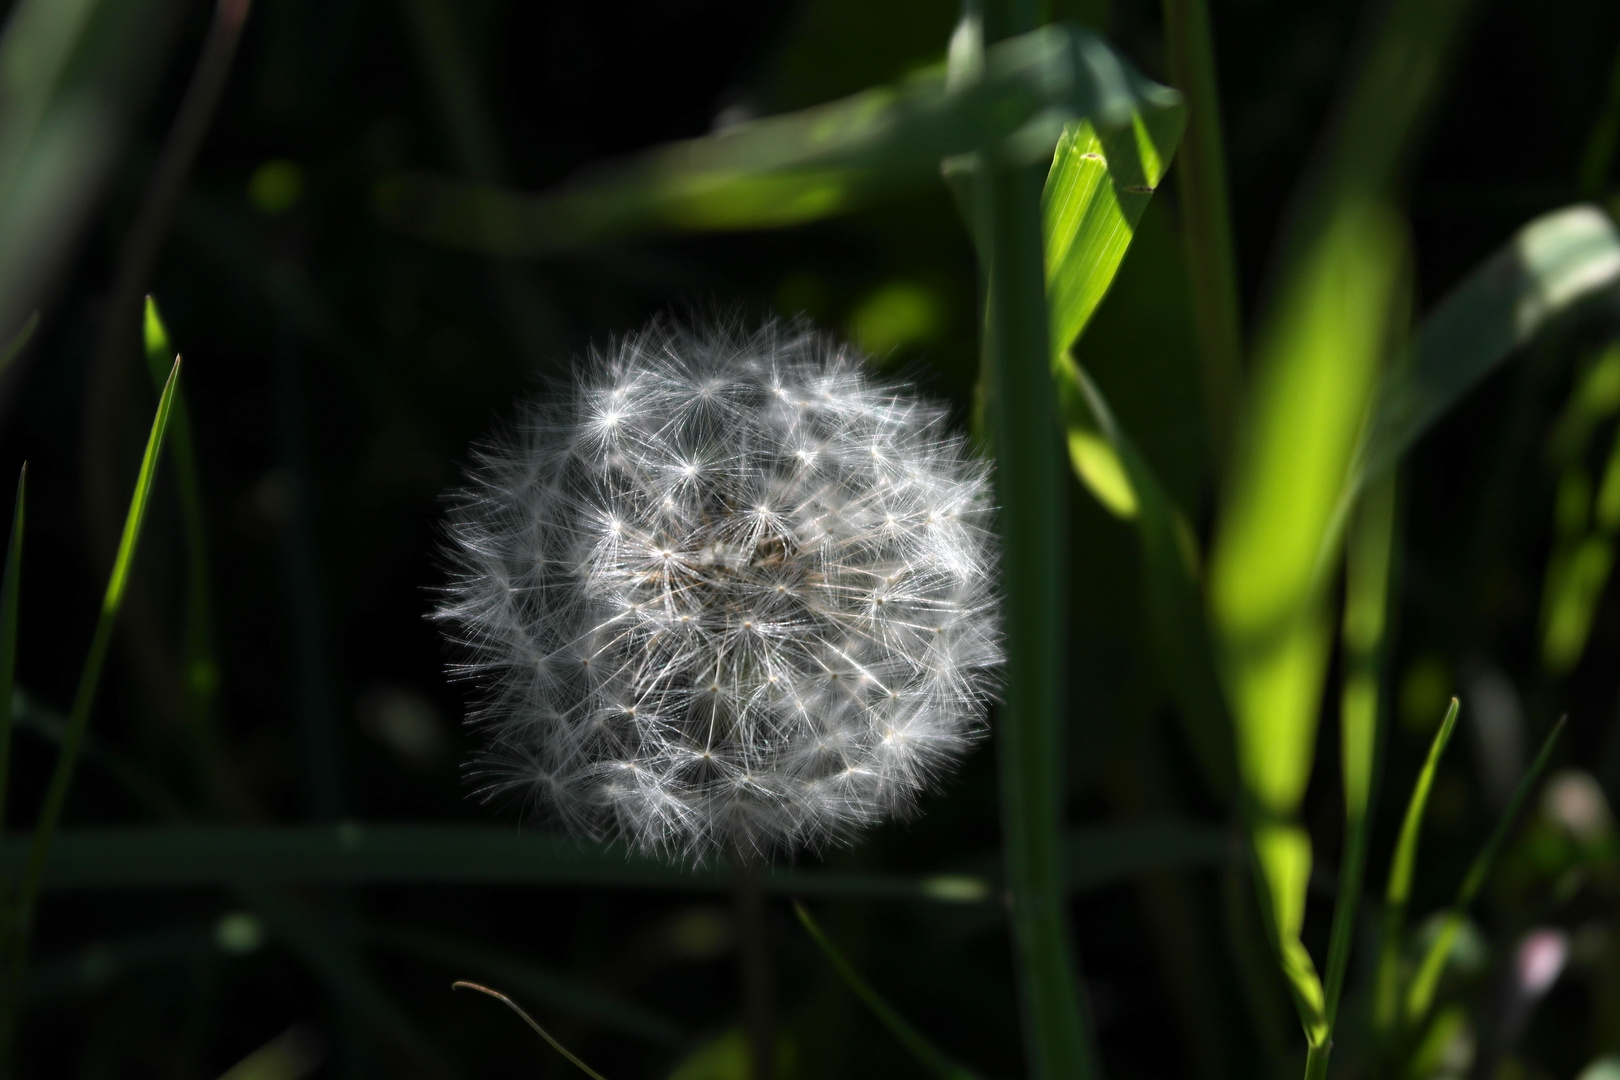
(1399, 888)
(1317, 365)
(1420, 995)
(1094, 197)
(1548, 269)
(929, 1056)
(1310, 397)
(802, 166)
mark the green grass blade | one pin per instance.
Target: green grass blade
(9, 598)
(1095, 193)
(1421, 993)
(1369, 554)
(1206, 224)
(19, 340)
(90, 678)
(1030, 735)
(929, 1056)
(802, 166)
(1386, 1016)
(1317, 365)
(1549, 268)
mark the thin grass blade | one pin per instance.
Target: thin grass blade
(928, 1055)
(90, 678)
(1420, 996)
(527, 1019)
(1398, 891)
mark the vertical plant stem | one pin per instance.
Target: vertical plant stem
(1206, 217)
(754, 956)
(1597, 160)
(1023, 412)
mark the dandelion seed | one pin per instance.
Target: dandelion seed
(773, 577)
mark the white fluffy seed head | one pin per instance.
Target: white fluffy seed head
(725, 592)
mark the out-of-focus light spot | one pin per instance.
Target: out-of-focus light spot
(895, 315)
(239, 933)
(1574, 800)
(276, 186)
(1540, 960)
(956, 888)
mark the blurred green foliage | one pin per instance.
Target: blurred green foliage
(407, 215)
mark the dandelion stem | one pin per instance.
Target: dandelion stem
(754, 955)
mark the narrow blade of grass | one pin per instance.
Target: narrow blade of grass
(928, 1055)
(1030, 737)
(89, 679)
(802, 166)
(1398, 891)
(1421, 993)
(1369, 555)
(527, 1019)
(9, 599)
(1206, 217)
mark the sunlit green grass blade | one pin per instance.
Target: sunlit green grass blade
(90, 678)
(1094, 197)
(10, 595)
(1398, 891)
(929, 1056)
(1420, 995)
(1317, 365)
(1549, 268)
(1369, 553)
(466, 958)
(802, 166)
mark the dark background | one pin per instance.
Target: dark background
(337, 374)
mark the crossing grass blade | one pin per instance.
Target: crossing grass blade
(1420, 995)
(803, 166)
(1386, 1006)
(9, 600)
(929, 1056)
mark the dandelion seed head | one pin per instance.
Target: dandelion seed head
(725, 592)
